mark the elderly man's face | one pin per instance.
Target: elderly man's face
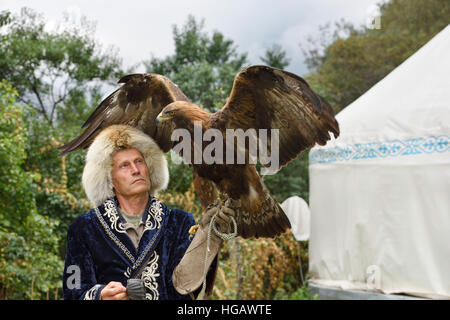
(130, 174)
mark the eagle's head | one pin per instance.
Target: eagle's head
(177, 115)
(181, 113)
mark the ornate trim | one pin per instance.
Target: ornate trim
(112, 236)
(92, 293)
(149, 276)
(373, 150)
(153, 222)
(154, 217)
(127, 272)
(113, 216)
(146, 250)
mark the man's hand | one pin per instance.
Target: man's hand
(114, 291)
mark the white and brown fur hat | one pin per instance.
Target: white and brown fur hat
(97, 173)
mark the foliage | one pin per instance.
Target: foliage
(348, 61)
(30, 267)
(291, 180)
(57, 73)
(261, 268)
(275, 57)
(17, 187)
(301, 294)
(181, 174)
(53, 71)
(59, 194)
(203, 66)
(28, 243)
(186, 201)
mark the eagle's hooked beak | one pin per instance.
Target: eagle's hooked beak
(160, 118)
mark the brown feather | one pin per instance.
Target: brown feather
(268, 98)
(137, 103)
(206, 190)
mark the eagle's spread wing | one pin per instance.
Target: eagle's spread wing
(268, 98)
(137, 103)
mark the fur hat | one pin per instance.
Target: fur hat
(97, 173)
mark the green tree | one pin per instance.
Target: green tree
(291, 180)
(203, 66)
(275, 57)
(54, 70)
(60, 76)
(17, 186)
(346, 62)
(29, 261)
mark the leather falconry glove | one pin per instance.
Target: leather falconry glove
(198, 263)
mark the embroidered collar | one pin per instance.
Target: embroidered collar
(112, 222)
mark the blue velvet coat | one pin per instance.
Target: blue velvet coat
(99, 251)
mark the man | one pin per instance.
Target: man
(129, 245)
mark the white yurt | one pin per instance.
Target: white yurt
(380, 193)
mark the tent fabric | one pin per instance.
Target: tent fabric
(298, 213)
(380, 193)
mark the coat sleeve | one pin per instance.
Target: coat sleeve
(182, 243)
(79, 279)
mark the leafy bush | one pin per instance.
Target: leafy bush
(30, 266)
(16, 185)
(260, 268)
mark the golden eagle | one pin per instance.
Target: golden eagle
(261, 98)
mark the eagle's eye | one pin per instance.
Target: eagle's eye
(172, 113)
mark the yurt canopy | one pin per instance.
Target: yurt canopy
(380, 193)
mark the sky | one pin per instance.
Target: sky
(140, 29)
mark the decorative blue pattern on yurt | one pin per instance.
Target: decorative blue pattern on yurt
(373, 150)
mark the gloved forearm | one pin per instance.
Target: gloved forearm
(203, 251)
